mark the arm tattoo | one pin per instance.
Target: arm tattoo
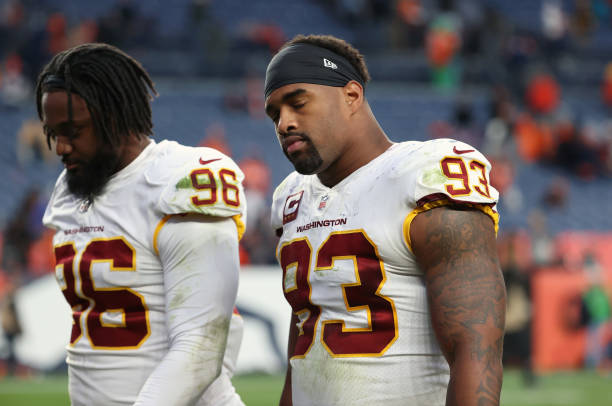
(466, 292)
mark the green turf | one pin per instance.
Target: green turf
(558, 389)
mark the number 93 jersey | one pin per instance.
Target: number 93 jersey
(349, 274)
(109, 269)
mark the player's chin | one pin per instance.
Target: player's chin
(307, 166)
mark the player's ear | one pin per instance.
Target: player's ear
(353, 95)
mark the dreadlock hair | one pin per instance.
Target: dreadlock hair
(115, 87)
(337, 45)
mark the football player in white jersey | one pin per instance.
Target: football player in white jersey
(146, 241)
(387, 249)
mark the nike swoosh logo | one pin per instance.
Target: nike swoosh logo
(202, 162)
(462, 151)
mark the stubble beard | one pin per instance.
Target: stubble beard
(306, 162)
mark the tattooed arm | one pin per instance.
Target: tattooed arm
(456, 248)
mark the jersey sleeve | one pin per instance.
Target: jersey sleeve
(452, 172)
(200, 284)
(206, 182)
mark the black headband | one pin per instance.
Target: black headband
(307, 63)
(54, 82)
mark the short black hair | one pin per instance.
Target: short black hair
(337, 45)
(116, 88)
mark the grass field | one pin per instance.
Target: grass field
(562, 388)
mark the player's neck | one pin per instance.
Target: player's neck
(131, 149)
(372, 143)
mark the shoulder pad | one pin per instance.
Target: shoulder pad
(201, 180)
(452, 169)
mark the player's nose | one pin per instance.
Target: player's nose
(287, 121)
(62, 146)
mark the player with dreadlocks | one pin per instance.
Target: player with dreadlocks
(117, 90)
(146, 240)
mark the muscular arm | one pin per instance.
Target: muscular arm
(286, 396)
(457, 250)
(200, 264)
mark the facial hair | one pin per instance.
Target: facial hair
(89, 180)
(306, 162)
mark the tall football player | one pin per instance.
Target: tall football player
(387, 249)
(146, 240)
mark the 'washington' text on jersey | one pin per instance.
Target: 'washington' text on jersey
(321, 223)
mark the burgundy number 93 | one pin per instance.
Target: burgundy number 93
(363, 294)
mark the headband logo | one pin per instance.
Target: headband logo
(329, 64)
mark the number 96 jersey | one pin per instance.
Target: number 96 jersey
(110, 271)
(349, 274)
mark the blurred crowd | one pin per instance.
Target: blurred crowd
(530, 71)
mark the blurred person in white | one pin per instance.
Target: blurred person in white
(388, 250)
(146, 240)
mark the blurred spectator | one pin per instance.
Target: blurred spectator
(205, 37)
(554, 27)
(268, 36)
(465, 127)
(214, 137)
(497, 140)
(14, 86)
(543, 93)
(460, 126)
(534, 140)
(442, 45)
(12, 23)
(408, 24)
(41, 257)
(11, 327)
(473, 26)
(25, 226)
(247, 98)
(576, 153)
(582, 20)
(519, 49)
(542, 243)
(353, 11)
(124, 26)
(517, 339)
(57, 37)
(556, 194)
(85, 32)
(597, 313)
(32, 144)
(606, 86)
(259, 241)
(502, 173)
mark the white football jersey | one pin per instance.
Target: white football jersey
(365, 335)
(108, 266)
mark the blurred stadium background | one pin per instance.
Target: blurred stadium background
(528, 82)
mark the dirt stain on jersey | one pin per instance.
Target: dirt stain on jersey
(184, 183)
(210, 350)
(434, 177)
(179, 296)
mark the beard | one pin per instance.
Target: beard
(89, 179)
(306, 162)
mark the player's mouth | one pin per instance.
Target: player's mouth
(70, 166)
(294, 143)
